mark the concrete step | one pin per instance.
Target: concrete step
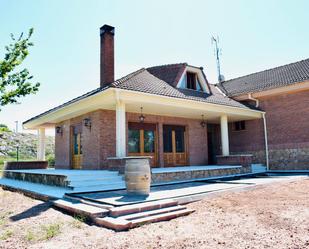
(141, 207)
(99, 187)
(87, 202)
(152, 212)
(116, 224)
(121, 224)
(81, 208)
(98, 175)
(161, 217)
(94, 183)
(96, 179)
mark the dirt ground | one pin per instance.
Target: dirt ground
(269, 216)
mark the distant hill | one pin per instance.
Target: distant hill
(27, 145)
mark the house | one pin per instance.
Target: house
(171, 113)
(283, 93)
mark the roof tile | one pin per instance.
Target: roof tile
(272, 78)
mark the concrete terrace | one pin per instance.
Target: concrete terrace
(73, 181)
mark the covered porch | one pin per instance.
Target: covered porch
(173, 131)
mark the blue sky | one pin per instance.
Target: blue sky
(254, 35)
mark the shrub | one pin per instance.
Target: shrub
(51, 160)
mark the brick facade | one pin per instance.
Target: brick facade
(99, 142)
(287, 117)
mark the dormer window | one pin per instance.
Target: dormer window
(191, 81)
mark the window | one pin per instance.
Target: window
(191, 81)
(134, 141)
(149, 141)
(174, 139)
(239, 126)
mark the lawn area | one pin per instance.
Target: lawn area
(269, 216)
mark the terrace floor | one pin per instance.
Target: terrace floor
(100, 180)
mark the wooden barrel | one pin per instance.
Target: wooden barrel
(137, 175)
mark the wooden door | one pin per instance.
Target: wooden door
(142, 141)
(77, 154)
(175, 149)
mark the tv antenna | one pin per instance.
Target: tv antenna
(218, 52)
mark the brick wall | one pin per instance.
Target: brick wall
(99, 142)
(62, 146)
(287, 118)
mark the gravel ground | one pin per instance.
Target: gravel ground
(269, 216)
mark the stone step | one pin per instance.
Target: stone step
(81, 208)
(161, 217)
(152, 212)
(141, 207)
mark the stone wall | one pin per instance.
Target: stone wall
(195, 174)
(244, 160)
(16, 165)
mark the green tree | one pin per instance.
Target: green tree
(4, 128)
(16, 83)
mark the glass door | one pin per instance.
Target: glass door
(77, 151)
(174, 145)
(142, 141)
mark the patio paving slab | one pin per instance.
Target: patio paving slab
(120, 198)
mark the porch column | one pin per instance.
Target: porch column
(224, 135)
(41, 144)
(120, 129)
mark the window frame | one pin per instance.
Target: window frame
(239, 125)
(194, 76)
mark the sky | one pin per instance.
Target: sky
(253, 35)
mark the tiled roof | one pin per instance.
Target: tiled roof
(143, 81)
(170, 73)
(272, 78)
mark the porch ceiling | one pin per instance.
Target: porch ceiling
(152, 104)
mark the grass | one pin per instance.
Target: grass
(7, 234)
(30, 236)
(51, 231)
(78, 221)
(4, 217)
(42, 233)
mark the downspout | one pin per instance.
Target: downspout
(254, 99)
(266, 142)
(265, 129)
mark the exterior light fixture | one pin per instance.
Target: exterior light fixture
(87, 122)
(141, 117)
(59, 130)
(203, 122)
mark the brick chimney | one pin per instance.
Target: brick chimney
(107, 55)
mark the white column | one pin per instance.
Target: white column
(120, 129)
(41, 144)
(224, 135)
